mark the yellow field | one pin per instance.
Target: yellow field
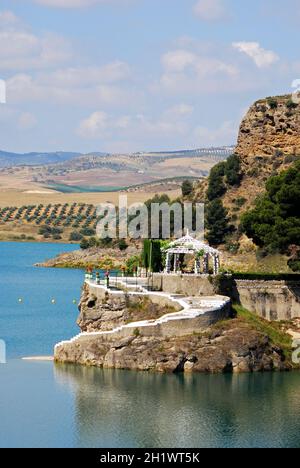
(19, 198)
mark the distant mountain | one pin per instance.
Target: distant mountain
(34, 159)
(8, 159)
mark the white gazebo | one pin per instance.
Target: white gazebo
(202, 253)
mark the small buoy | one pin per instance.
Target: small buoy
(53, 301)
(74, 301)
(20, 300)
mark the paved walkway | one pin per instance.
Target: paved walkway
(191, 307)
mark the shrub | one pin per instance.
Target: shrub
(216, 186)
(75, 236)
(273, 104)
(233, 170)
(122, 244)
(84, 244)
(291, 104)
(186, 188)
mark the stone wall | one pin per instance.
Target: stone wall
(189, 285)
(272, 300)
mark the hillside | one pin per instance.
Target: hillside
(109, 172)
(8, 159)
(268, 144)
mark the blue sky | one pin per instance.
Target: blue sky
(135, 75)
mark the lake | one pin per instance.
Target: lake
(46, 405)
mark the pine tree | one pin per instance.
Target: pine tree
(216, 222)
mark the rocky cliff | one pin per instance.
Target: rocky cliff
(271, 128)
(212, 343)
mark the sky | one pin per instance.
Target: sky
(140, 75)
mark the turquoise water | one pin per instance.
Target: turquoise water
(43, 405)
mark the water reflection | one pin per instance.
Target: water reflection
(132, 409)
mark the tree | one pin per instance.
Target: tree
(75, 236)
(216, 222)
(216, 186)
(187, 188)
(274, 223)
(151, 255)
(84, 244)
(233, 170)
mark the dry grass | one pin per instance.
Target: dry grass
(19, 198)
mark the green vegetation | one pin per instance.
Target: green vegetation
(187, 188)
(291, 104)
(223, 175)
(240, 202)
(151, 255)
(217, 224)
(216, 186)
(75, 236)
(133, 263)
(76, 215)
(272, 102)
(271, 329)
(274, 223)
(233, 170)
(47, 232)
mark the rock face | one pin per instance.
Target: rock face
(271, 127)
(101, 311)
(234, 347)
(213, 343)
(93, 257)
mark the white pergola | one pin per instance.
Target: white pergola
(188, 245)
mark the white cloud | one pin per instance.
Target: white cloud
(21, 49)
(86, 76)
(223, 135)
(192, 72)
(261, 57)
(178, 60)
(95, 126)
(8, 19)
(210, 10)
(105, 85)
(27, 121)
(173, 121)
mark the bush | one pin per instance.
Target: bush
(87, 232)
(75, 236)
(273, 104)
(233, 170)
(84, 244)
(133, 263)
(291, 104)
(216, 186)
(186, 188)
(122, 245)
(240, 202)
